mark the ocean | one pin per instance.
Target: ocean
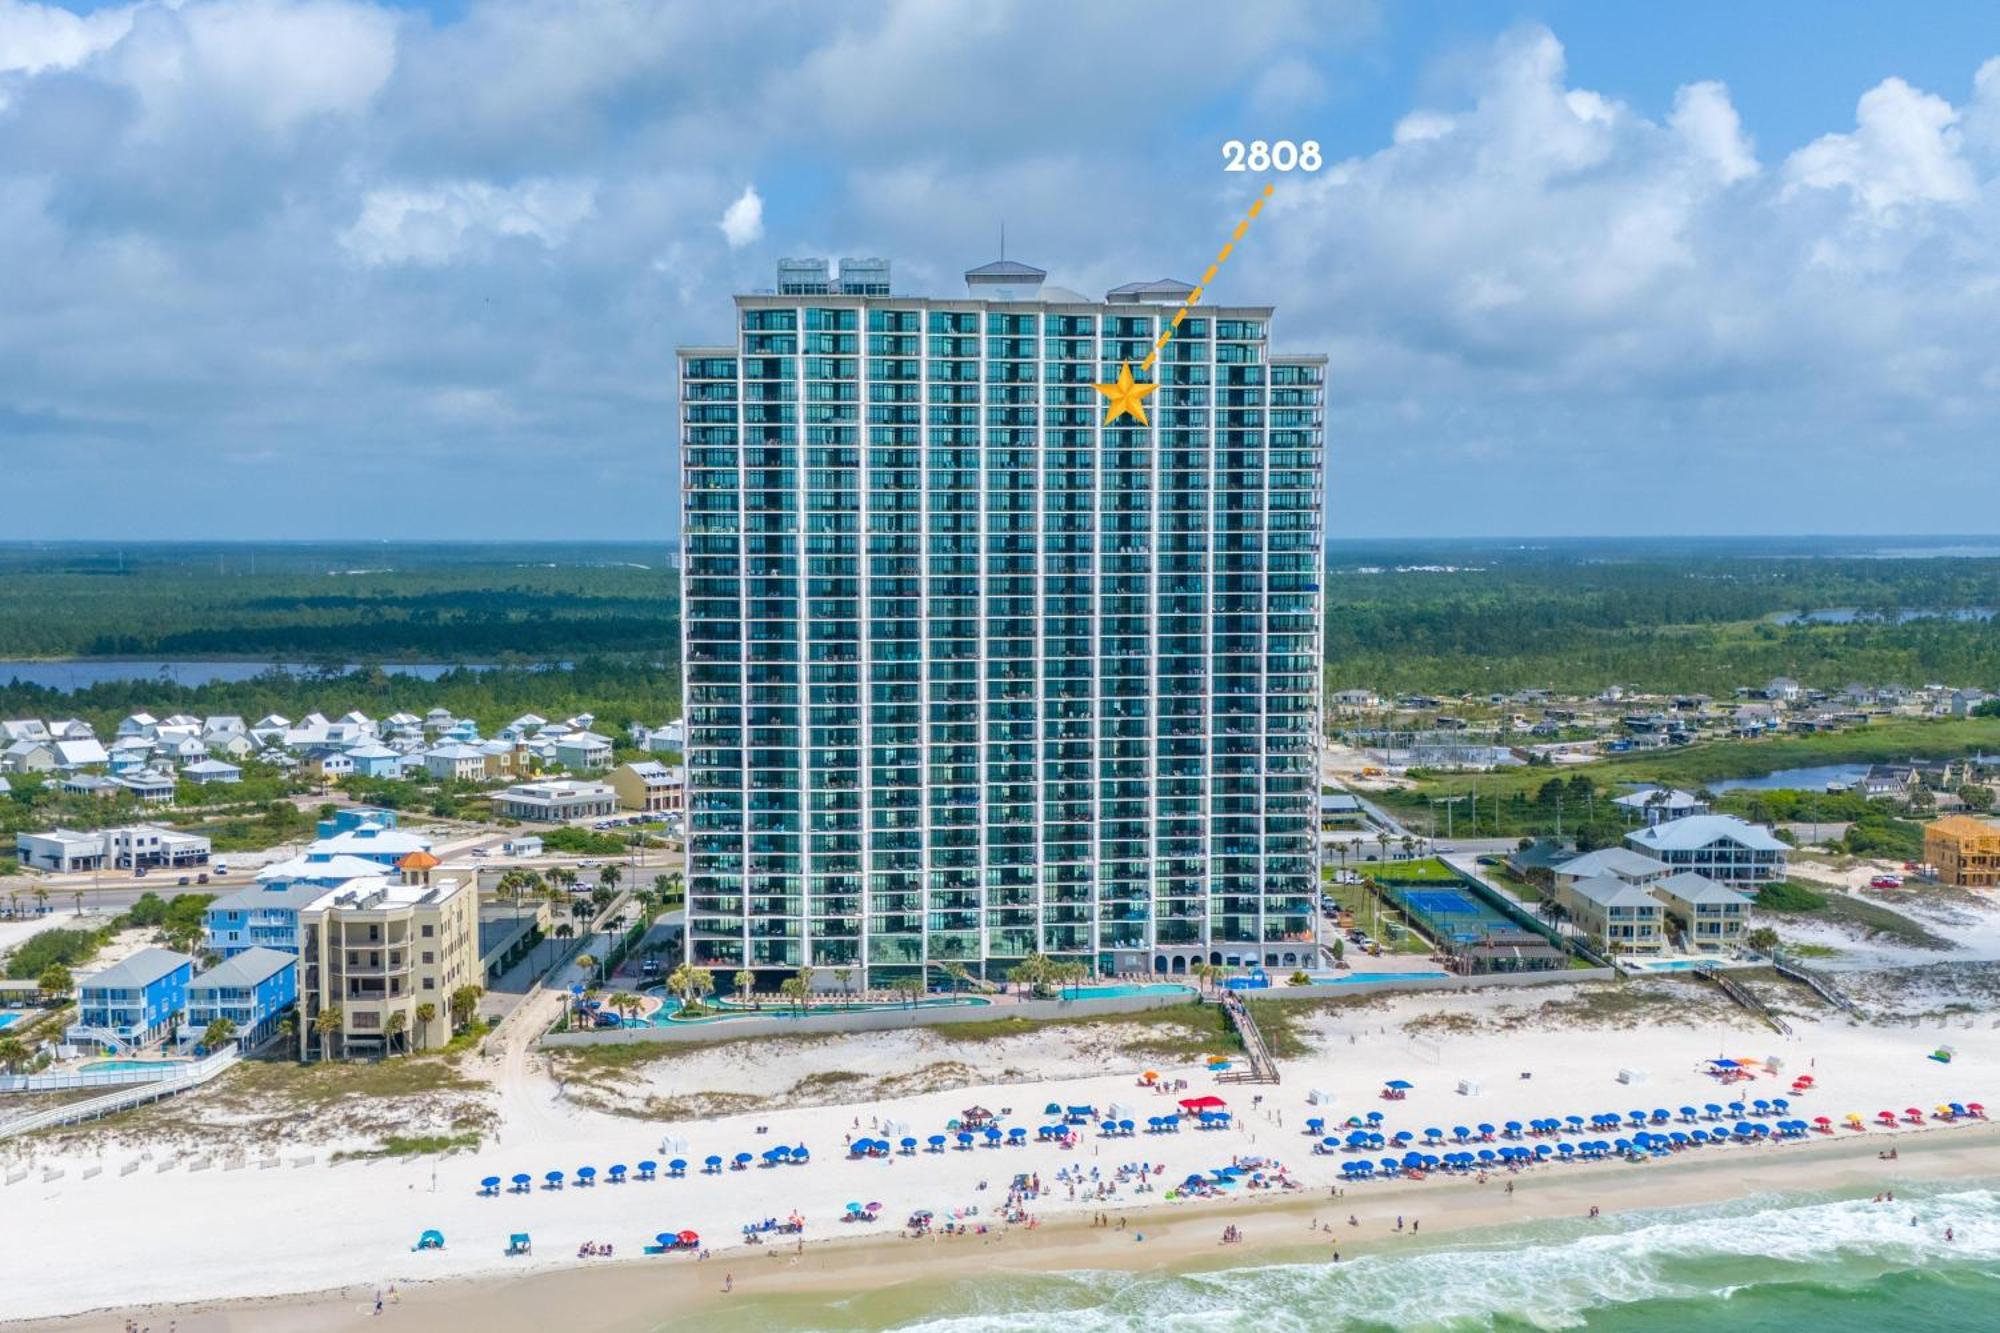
(1759, 1265)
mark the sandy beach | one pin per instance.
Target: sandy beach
(130, 1235)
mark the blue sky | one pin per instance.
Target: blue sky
(325, 268)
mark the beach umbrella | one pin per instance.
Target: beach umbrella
(617, 1172)
(1761, 1105)
(1975, 1108)
(1714, 1111)
(1544, 1150)
(1688, 1113)
(1566, 1149)
(854, 1207)
(1053, 1108)
(1330, 1142)
(648, 1167)
(909, 1145)
(800, 1153)
(1781, 1103)
(937, 1141)
(1512, 1127)
(964, 1139)
(1575, 1120)
(993, 1135)
(1661, 1113)
(586, 1174)
(491, 1184)
(678, 1166)
(1825, 1122)
(1486, 1154)
(1374, 1117)
(1636, 1117)
(1487, 1130)
(1399, 1085)
(1400, 1137)
(743, 1157)
(1199, 1179)
(522, 1180)
(1315, 1125)
(1434, 1136)
(688, 1238)
(1957, 1109)
(712, 1162)
(1461, 1133)
(1737, 1108)
(777, 1154)
(554, 1178)
(1014, 1135)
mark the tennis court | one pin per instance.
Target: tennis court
(1453, 914)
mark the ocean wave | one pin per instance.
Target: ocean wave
(1546, 1275)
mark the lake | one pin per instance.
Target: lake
(80, 673)
(1796, 779)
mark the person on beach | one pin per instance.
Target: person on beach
(728, 1283)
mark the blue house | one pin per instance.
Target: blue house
(376, 760)
(352, 817)
(370, 842)
(253, 990)
(132, 1003)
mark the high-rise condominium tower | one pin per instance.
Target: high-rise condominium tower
(972, 675)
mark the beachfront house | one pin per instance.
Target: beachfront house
(1708, 917)
(1626, 918)
(1618, 862)
(253, 989)
(134, 1002)
(554, 800)
(1722, 847)
(266, 916)
(1965, 851)
(648, 786)
(1652, 805)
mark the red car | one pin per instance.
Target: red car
(1886, 882)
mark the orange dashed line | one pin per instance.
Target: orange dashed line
(1194, 297)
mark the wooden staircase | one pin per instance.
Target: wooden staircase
(1263, 1069)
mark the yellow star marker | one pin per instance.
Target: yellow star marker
(1125, 396)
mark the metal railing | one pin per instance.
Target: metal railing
(194, 1074)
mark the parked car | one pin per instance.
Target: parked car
(202, 878)
(1886, 882)
(182, 881)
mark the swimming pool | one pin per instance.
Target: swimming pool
(125, 1066)
(1669, 965)
(1361, 978)
(8, 1020)
(1119, 992)
(734, 1009)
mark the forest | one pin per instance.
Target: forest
(1440, 617)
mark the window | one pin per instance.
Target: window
(430, 983)
(428, 930)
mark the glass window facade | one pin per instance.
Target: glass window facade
(971, 675)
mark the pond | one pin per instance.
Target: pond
(1794, 779)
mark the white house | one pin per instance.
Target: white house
(1653, 804)
(28, 757)
(211, 772)
(25, 729)
(74, 755)
(465, 763)
(584, 751)
(138, 724)
(1722, 847)
(553, 800)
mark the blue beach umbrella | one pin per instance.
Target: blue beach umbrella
(554, 1178)
(491, 1184)
(522, 1180)
(678, 1166)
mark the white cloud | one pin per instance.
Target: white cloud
(438, 223)
(743, 221)
(1905, 150)
(1708, 123)
(37, 37)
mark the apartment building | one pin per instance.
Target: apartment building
(378, 951)
(972, 673)
(648, 785)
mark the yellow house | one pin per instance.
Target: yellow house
(1966, 851)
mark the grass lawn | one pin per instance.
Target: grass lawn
(1355, 898)
(1788, 900)
(1429, 870)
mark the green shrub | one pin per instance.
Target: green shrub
(1785, 896)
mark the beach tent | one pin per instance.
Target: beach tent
(519, 1243)
(1208, 1103)
(430, 1240)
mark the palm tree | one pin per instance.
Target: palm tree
(55, 980)
(844, 978)
(624, 1003)
(957, 975)
(327, 1026)
(588, 962)
(221, 1030)
(41, 899)
(396, 1025)
(14, 1054)
(745, 980)
(76, 899)
(464, 1004)
(805, 980)
(794, 990)
(609, 877)
(426, 1015)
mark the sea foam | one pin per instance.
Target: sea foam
(1545, 1275)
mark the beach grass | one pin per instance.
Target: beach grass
(1806, 901)
(417, 1145)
